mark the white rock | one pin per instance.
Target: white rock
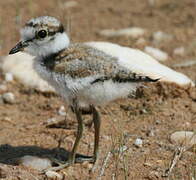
(187, 138)
(179, 51)
(134, 32)
(8, 97)
(141, 42)
(35, 162)
(156, 53)
(140, 62)
(123, 149)
(53, 175)
(3, 87)
(51, 120)
(185, 63)
(70, 4)
(9, 77)
(20, 65)
(138, 142)
(61, 111)
(160, 36)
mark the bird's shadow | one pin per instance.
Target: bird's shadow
(11, 154)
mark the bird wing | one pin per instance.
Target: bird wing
(81, 61)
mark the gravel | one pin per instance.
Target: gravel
(179, 51)
(53, 175)
(3, 87)
(8, 98)
(138, 142)
(61, 111)
(187, 138)
(35, 162)
(156, 53)
(134, 32)
(159, 37)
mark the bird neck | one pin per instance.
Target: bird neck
(60, 42)
(50, 61)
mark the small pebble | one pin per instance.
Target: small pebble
(3, 87)
(158, 122)
(185, 63)
(70, 4)
(9, 77)
(141, 42)
(61, 111)
(53, 175)
(35, 162)
(8, 119)
(51, 120)
(156, 53)
(134, 32)
(179, 51)
(154, 175)
(150, 133)
(138, 142)
(143, 111)
(8, 97)
(187, 138)
(123, 149)
(147, 164)
(87, 165)
(159, 37)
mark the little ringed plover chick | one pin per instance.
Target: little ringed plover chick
(84, 76)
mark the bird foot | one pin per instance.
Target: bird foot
(64, 164)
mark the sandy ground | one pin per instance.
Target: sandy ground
(155, 112)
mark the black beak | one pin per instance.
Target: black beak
(19, 47)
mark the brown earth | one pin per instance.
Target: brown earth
(155, 113)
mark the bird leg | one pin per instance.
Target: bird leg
(79, 131)
(78, 158)
(97, 124)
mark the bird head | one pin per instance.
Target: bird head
(42, 36)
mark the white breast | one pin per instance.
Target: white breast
(55, 80)
(104, 92)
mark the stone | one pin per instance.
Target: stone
(141, 42)
(138, 142)
(159, 37)
(20, 65)
(187, 138)
(156, 53)
(70, 4)
(35, 162)
(3, 87)
(134, 32)
(8, 97)
(61, 111)
(179, 51)
(53, 175)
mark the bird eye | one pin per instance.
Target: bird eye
(42, 33)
